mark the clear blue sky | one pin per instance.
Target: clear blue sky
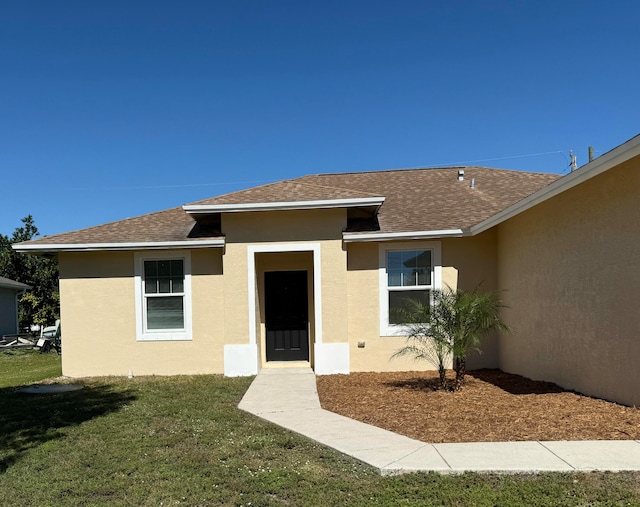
(111, 109)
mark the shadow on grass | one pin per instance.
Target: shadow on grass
(513, 384)
(29, 420)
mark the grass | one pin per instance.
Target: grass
(22, 366)
(182, 441)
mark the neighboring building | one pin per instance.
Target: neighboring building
(306, 271)
(9, 292)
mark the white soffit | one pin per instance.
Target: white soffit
(617, 156)
(194, 209)
(393, 236)
(138, 245)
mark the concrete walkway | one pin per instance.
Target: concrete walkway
(288, 397)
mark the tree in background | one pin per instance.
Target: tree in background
(41, 304)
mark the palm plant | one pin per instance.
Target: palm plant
(453, 324)
(468, 317)
(425, 342)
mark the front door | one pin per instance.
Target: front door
(286, 315)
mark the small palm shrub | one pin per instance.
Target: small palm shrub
(424, 341)
(450, 327)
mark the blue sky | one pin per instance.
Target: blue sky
(111, 109)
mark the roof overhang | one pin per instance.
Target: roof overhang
(350, 237)
(198, 209)
(13, 285)
(137, 245)
(617, 156)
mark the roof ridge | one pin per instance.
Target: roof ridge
(315, 185)
(239, 191)
(437, 168)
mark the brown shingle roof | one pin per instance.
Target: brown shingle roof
(169, 225)
(434, 199)
(415, 200)
(288, 191)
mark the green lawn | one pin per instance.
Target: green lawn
(181, 441)
(24, 366)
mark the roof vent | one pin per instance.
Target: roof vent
(473, 183)
(460, 174)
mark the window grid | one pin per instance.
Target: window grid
(408, 271)
(163, 288)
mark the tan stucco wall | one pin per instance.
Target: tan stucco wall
(466, 262)
(278, 229)
(571, 270)
(474, 261)
(98, 296)
(97, 300)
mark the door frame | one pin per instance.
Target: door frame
(252, 250)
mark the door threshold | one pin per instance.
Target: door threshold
(287, 364)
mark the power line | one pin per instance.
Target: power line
(561, 152)
(500, 158)
(188, 185)
(254, 182)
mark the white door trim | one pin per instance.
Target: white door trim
(252, 250)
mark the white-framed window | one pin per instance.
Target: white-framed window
(408, 270)
(163, 295)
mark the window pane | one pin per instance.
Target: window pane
(394, 261)
(165, 313)
(423, 259)
(398, 299)
(409, 277)
(176, 268)
(150, 285)
(150, 268)
(395, 279)
(177, 284)
(164, 285)
(424, 276)
(164, 276)
(394, 269)
(164, 268)
(408, 268)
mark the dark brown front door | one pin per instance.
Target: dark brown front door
(286, 315)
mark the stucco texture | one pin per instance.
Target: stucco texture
(278, 230)
(466, 263)
(571, 273)
(98, 306)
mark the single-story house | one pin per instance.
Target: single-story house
(10, 290)
(308, 270)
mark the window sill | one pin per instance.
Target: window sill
(164, 336)
(392, 331)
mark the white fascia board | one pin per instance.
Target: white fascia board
(607, 161)
(194, 209)
(138, 245)
(394, 236)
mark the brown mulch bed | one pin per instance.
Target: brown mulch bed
(492, 406)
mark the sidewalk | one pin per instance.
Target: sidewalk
(288, 397)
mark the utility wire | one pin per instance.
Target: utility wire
(497, 158)
(254, 182)
(188, 185)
